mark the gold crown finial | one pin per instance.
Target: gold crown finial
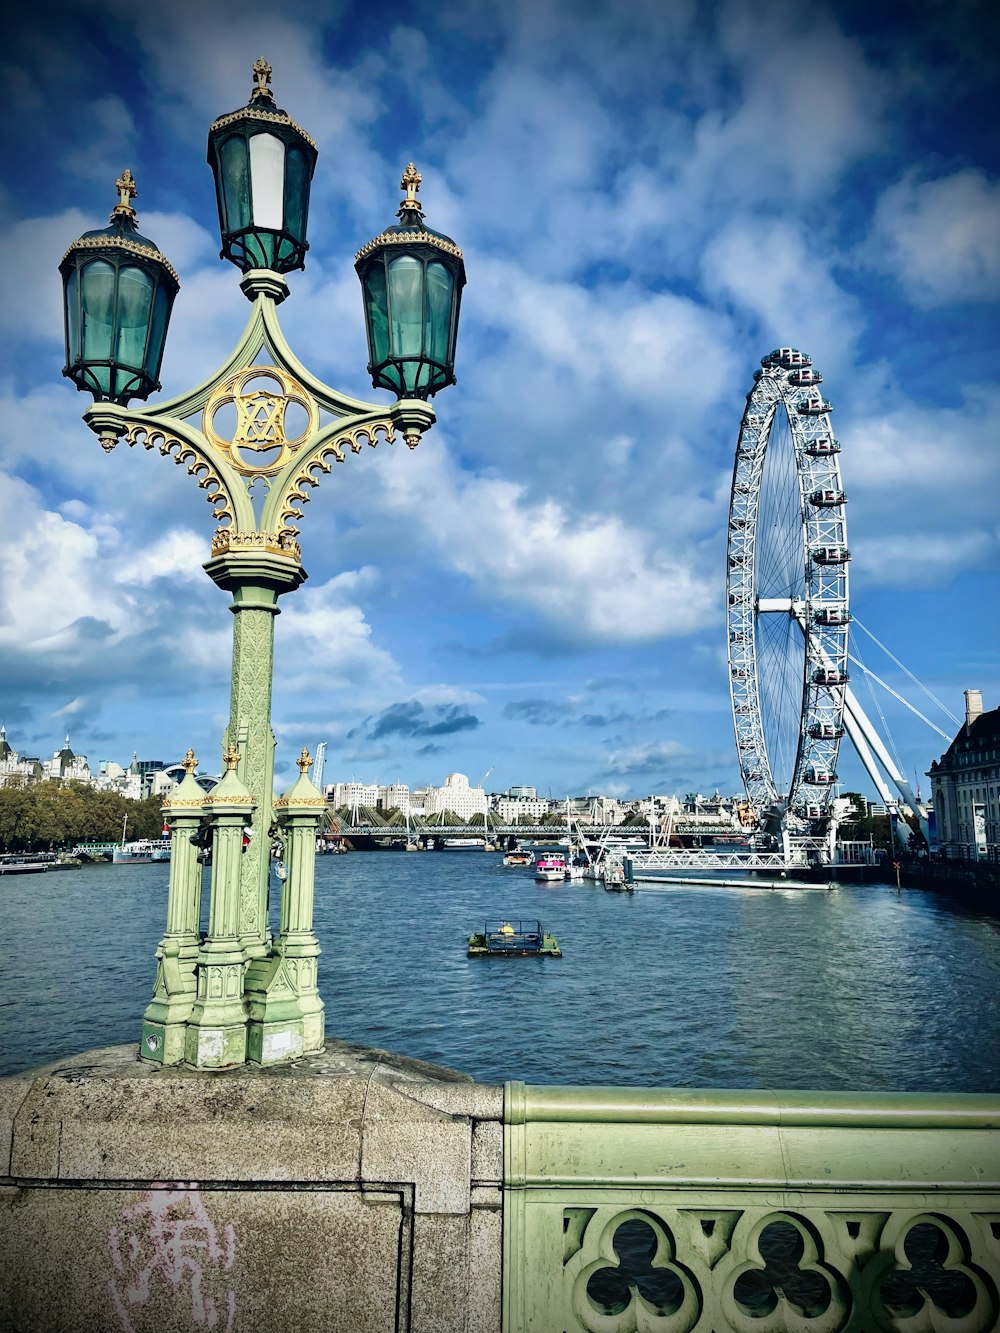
(125, 185)
(411, 184)
(262, 74)
(189, 763)
(304, 762)
(231, 758)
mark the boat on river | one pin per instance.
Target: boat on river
(519, 856)
(136, 853)
(513, 939)
(27, 864)
(550, 868)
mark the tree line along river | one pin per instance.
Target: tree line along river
(860, 987)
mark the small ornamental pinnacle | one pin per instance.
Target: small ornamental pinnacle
(125, 185)
(231, 758)
(189, 763)
(262, 73)
(304, 762)
(411, 184)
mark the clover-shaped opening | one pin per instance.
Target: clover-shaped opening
(610, 1290)
(904, 1291)
(757, 1290)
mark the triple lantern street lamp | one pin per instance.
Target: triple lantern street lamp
(257, 435)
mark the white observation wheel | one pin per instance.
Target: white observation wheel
(787, 597)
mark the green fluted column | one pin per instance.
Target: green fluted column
(216, 1034)
(286, 1012)
(175, 989)
(256, 577)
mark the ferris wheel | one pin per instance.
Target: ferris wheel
(787, 594)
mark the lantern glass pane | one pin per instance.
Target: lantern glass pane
(296, 193)
(267, 180)
(72, 316)
(235, 183)
(98, 281)
(158, 330)
(406, 291)
(135, 297)
(439, 287)
(377, 313)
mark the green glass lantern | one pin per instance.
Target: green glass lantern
(412, 280)
(263, 165)
(118, 290)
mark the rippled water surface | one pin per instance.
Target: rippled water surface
(859, 987)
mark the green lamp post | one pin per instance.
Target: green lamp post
(234, 992)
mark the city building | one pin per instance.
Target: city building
(16, 767)
(351, 795)
(519, 809)
(457, 796)
(965, 787)
(396, 796)
(65, 766)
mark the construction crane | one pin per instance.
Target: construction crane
(484, 777)
(318, 767)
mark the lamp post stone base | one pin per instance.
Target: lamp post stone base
(163, 1042)
(216, 1048)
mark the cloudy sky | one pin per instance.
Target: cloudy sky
(650, 195)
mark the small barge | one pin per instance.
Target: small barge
(513, 939)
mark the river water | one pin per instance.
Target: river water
(860, 987)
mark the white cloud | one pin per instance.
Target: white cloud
(782, 277)
(940, 238)
(591, 577)
(322, 637)
(47, 580)
(177, 555)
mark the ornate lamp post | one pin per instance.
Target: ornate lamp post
(236, 993)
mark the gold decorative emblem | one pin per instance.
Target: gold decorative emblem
(254, 407)
(231, 758)
(189, 763)
(304, 761)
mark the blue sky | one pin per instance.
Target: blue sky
(650, 196)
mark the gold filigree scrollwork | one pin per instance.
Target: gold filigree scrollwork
(259, 398)
(182, 452)
(296, 496)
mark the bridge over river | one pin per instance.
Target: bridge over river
(368, 828)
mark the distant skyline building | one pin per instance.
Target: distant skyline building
(457, 796)
(67, 766)
(396, 796)
(520, 809)
(353, 794)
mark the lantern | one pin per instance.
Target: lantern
(118, 291)
(263, 165)
(412, 280)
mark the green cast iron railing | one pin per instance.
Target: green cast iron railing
(674, 1211)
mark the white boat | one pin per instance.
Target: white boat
(24, 864)
(550, 868)
(137, 853)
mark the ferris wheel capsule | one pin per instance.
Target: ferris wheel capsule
(813, 406)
